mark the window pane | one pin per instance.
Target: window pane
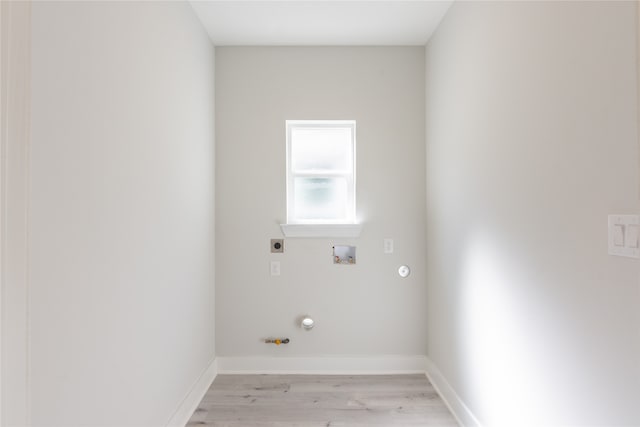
(320, 198)
(321, 149)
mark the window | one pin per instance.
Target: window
(321, 171)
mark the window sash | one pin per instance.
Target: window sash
(294, 217)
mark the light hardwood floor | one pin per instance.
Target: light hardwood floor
(321, 400)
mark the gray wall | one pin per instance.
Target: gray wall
(366, 309)
(15, 80)
(531, 143)
(122, 206)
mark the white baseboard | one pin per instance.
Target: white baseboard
(346, 365)
(460, 411)
(191, 401)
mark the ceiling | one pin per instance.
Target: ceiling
(320, 23)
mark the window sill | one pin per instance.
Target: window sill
(321, 230)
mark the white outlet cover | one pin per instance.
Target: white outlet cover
(275, 268)
(388, 246)
(623, 235)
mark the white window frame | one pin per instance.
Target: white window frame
(350, 176)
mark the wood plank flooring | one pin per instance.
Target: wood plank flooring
(321, 401)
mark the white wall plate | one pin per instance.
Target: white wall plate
(624, 235)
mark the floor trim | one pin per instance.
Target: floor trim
(460, 411)
(191, 401)
(348, 365)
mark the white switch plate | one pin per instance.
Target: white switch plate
(275, 268)
(618, 235)
(631, 236)
(388, 246)
(623, 235)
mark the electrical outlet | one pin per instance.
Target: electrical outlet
(277, 246)
(388, 246)
(275, 268)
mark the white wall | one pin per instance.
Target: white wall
(122, 207)
(532, 142)
(15, 31)
(361, 310)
